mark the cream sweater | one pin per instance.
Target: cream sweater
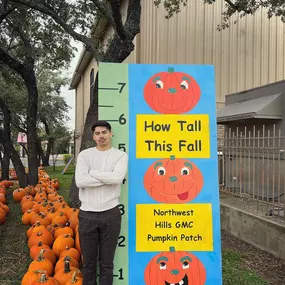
(99, 175)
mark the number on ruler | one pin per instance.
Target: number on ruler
(123, 84)
(122, 120)
(122, 146)
(124, 181)
(122, 209)
(121, 277)
(121, 240)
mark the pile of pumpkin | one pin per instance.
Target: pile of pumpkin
(52, 235)
(4, 209)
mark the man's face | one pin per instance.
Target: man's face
(102, 136)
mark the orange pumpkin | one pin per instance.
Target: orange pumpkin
(175, 267)
(172, 92)
(26, 218)
(3, 199)
(3, 215)
(63, 231)
(41, 263)
(35, 249)
(18, 194)
(31, 276)
(6, 183)
(61, 243)
(75, 280)
(5, 208)
(65, 274)
(72, 252)
(173, 180)
(3, 190)
(59, 219)
(44, 236)
(61, 262)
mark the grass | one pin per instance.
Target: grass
(14, 253)
(235, 271)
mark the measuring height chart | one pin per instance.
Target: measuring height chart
(164, 116)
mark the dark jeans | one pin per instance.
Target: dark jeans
(98, 233)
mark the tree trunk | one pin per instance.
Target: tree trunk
(31, 84)
(9, 150)
(87, 141)
(6, 164)
(47, 154)
(118, 51)
(1, 158)
(19, 167)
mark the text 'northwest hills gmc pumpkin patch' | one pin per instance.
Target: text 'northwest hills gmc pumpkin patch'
(164, 117)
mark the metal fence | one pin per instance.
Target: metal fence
(251, 169)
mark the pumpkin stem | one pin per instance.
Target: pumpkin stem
(170, 69)
(43, 278)
(41, 255)
(67, 258)
(172, 157)
(73, 279)
(172, 249)
(66, 266)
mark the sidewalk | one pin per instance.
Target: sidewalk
(59, 161)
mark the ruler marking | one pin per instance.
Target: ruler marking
(108, 88)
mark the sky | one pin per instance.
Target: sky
(69, 95)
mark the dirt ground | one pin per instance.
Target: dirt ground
(265, 264)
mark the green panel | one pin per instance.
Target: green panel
(113, 107)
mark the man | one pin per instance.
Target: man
(99, 174)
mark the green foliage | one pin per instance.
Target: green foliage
(61, 140)
(26, 34)
(231, 8)
(66, 158)
(171, 6)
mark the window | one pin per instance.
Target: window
(92, 83)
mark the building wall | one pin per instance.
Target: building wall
(248, 54)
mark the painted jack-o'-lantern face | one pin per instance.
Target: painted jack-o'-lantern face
(172, 92)
(173, 180)
(179, 268)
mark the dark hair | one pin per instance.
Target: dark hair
(101, 124)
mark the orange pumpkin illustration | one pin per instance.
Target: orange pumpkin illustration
(173, 180)
(172, 92)
(175, 267)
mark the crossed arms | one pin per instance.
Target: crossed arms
(94, 178)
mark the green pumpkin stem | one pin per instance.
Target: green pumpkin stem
(172, 157)
(172, 249)
(170, 69)
(66, 266)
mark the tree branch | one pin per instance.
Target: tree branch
(13, 63)
(41, 7)
(5, 14)
(119, 49)
(237, 7)
(27, 44)
(114, 18)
